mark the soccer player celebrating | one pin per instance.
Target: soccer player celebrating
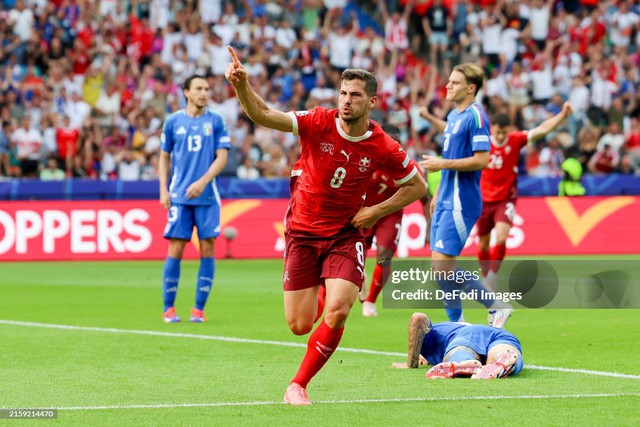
(195, 145)
(459, 349)
(499, 186)
(341, 149)
(457, 203)
(386, 230)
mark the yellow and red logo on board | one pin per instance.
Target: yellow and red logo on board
(578, 226)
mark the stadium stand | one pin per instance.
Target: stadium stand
(88, 83)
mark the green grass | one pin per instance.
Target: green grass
(44, 367)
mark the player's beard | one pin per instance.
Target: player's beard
(352, 118)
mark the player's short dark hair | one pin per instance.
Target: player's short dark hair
(370, 81)
(187, 83)
(501, 119)
(473, 74)
(392, 130)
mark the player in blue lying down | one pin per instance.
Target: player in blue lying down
(458, 349)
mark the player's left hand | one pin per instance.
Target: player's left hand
(431, 163)
(364, 218)
(195, 189)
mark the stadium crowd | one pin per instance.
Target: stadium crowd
(85, 85)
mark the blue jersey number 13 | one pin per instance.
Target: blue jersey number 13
(194, 143)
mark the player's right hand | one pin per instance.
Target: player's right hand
(165, 199)
(235, 74)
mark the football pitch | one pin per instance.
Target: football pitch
(87, 338)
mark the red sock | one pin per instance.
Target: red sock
(322, 343)
(322, 294)
(497, 255)
(484, 259)
(376, 283)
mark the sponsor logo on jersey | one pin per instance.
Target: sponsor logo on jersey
(326, 147)
(456, 127)
(207, 129)
(345, 154)
(181, 131)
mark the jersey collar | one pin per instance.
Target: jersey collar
(342, 133)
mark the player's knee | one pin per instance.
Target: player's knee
(501, 240)
(336, 315)
(300, 327)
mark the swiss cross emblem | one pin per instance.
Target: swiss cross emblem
(365, 162)
(507, 149)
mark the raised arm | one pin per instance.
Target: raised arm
(550, 124)
(253, 105)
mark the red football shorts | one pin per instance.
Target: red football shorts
(386, 231)
(494, 212)
(309, 260)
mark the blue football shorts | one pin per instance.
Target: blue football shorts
(449, 231)
(182, 218)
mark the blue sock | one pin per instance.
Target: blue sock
(205, 281)
(482, 290)
(170, 279)
(462, 356)
(453, 308)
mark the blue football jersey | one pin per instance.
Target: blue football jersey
(465, 133)
(193, 142)
(436, 341)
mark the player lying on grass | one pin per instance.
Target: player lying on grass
(459, 349)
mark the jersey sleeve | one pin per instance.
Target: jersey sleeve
(222, 134)
(399, 165)
(520, 139)
(307, 122)
(479, 130)
(166, 137)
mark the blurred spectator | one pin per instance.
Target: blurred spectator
(52, 172)
(5, 132)
(67, 139)
(129, 168)
(613, 138)
(28, 141)
(247, 170)
(550, 160)
(605, 160)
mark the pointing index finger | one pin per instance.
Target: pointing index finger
(234, 57)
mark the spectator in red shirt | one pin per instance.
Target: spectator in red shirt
(67, 139)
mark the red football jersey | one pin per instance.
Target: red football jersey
(382, 187)
(499, 179)
(335, 169)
